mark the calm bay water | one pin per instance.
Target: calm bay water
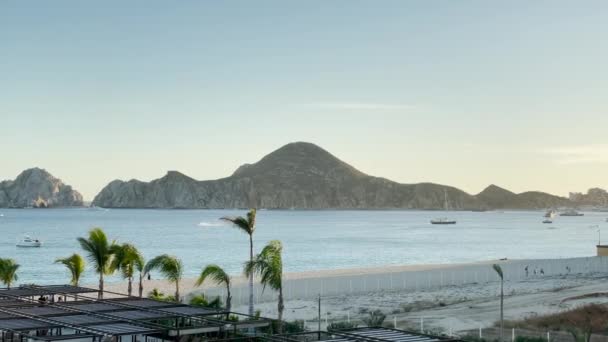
(312, 240)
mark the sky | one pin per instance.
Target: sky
(465, 93)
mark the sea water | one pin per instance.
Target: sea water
(312, 240)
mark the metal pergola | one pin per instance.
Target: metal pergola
(80, 316)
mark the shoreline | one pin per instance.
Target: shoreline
(449, 297)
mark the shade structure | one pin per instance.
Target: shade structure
(64, 312)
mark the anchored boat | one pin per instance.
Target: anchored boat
(28, 241)
(444, 220)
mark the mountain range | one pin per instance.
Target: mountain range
(296, 176)
(304, 176)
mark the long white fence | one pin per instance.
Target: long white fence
(409, 280)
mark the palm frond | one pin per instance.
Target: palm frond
(8, 271)
(246, 225)
(268, 264)
(127, 259)
(498, 270)
(216, 273)
(75, 265)
(99, 250)
(169, 266)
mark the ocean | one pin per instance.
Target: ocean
(313, 240)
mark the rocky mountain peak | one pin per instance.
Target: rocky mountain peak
(37, 187)
(300, 158)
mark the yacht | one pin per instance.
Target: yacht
(571, 212)
(444, 220)
(28, 241)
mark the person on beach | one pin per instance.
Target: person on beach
(149, 277)
(526, 269)
(542, 272)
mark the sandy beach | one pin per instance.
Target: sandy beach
(446, 306)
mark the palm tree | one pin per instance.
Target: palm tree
(128, 260)
(246, 225)
(139, 266)
(269, 266)
(498, 270)
(170, 267)
(75, 264)
(220, 277)
(99, 251)
(8, 271)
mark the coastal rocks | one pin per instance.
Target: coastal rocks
(37, 188)
(296, 176)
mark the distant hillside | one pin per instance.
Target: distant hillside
(495, 197)
(37, 188)
(304, 176)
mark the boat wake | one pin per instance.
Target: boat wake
(210, 224)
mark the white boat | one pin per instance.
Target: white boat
(571, 212)
(550, 214)
(28, 241)
(547, 221)
(444, 220)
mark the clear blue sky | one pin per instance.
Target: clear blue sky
(465, 93)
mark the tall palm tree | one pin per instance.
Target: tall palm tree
(170, 267)
(75, 264)
(246, 225)
(139, 266)
(220, 277)
(127, 259)
(269, 266)
(498, 270)
(8, 271)
(99, 251)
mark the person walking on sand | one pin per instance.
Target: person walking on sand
(526, 269)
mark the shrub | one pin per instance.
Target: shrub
(375, 319)
(341, 326)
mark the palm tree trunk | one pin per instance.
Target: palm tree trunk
(100, 296)
(501, 310)
(177, 291)
(251, 276)
(228, 299)
(141, 285)
(280, 308)
(130, 287)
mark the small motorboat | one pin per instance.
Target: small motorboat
(547, 221)
(28, 241)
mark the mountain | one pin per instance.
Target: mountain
(37, 188)
(298, 175)
(495, 197)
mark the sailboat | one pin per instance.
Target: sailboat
(444, 220)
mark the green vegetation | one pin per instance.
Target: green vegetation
(246, 225)
(8, 271)
(75, 265)
(269, 265)
(375, 318)
(201, 300)
(99, 252)
(127, 259)
(220, 277)
(170, 267)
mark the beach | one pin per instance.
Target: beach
(446, 297)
